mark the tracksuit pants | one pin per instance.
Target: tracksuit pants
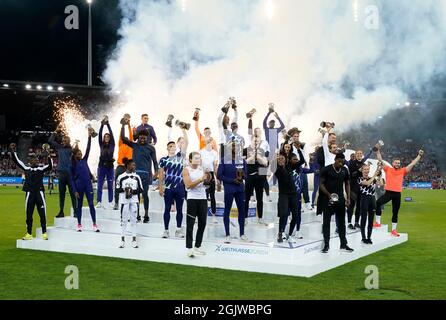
(170, 195)
(105, 173)
(119, 170)
(146, 181)
(355, 203)
(368, 205)
(393, 196)
(339, 210)
(256, 183)
(210, 194)
(85, 188)
(289, 203)
(304, 180)
(315, 187)
(129, 211)
(64, 181)
(35, 199)
(196, 209)
(240, 202)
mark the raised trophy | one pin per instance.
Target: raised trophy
(271, 107)
(169, 120)
(126, 119)
(232, 103)
(334, 198)
(104, 120)
(251, 113)
(325, 123)
(196, 114)
(128, 191)
(182, 125)
(380, 143)
(226, 107)
(93, 132)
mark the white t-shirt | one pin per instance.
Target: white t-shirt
(207, 159)
(199, 192)
(128, 180)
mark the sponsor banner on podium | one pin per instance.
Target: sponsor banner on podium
(18, 180)
(252, 212)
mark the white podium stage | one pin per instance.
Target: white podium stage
(261, 253)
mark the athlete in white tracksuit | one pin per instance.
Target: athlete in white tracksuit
(129, 187)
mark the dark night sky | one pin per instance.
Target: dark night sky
(36, 46)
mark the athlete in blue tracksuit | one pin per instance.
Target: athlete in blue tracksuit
(81, 183)
(232, 170)
(143, 155)
(105, 167)
(171, 186)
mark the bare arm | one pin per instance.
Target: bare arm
(380, 158)
(414, 161)
(186, 142)
(161, 182)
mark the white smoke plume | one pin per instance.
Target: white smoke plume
(316, 60)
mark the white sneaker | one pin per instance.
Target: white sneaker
(99, 205)
(244, 237)
(111, 205)
(291, 239)
(199, 252)
(190, 253)
(179, 233)
(262, 222)
(122, 245)
(298, 235)
(134, 244)
(308, 205)
(228, 239)
(166, 234)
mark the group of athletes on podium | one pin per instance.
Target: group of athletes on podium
(272, 155)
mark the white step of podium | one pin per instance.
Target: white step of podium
(301, 259)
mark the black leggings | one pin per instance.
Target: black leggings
(195, 209)
(256, 183)
(355, 201)
(393, 196)
(210, 194)
(287, 203)
(368, 205)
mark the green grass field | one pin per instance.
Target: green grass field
(413, 270)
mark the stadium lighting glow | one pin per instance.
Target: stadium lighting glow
(269, 9)
(28, 86)
(6, 85)
(407, 104)
(417, 104)
(59, 88)
(183, 5)
(89, 1)
(355, 10)
(39, 87)
(49, 88)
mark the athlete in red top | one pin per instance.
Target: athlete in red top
(394, 185)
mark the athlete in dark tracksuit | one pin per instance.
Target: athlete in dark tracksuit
(105, 167)
(34, 189)
(143, 155)
(233, 173)
(64, 152)
(81, 183)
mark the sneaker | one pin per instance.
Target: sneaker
(291, 239)
(280, 237)
(199, 252)
(122, 245)
(325, 249)
(228, 239)
(308, 205)
(377, 225)
(346, 248)
(298, 235)
(60, 215)
(357, 226)
(179, 233)
(351, 227)
(146, 219)
(369, 241)
(190, 253)
(44, 236)
(116, 207)
(166, 234)
(244, 238)
(95, 228)
(27, 237)
(99, 205)
(262, 222)
(134, 244)
(79, 228)
(365, 241)
(394, 233)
